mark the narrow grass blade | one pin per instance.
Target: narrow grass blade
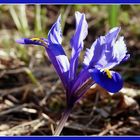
(113, 11)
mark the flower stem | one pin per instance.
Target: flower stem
(62, 122)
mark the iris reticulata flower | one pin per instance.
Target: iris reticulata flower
(104, 54)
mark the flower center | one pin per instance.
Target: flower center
(108, 73)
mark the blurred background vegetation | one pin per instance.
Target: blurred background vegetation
(21, 65)
(18, 21)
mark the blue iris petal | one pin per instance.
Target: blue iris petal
(77, 42)
(106, 51)
(113, 84)
(56, 52)
(112, 35)
(126, 58)
(29, 41)
(55, 33)
(59, 61)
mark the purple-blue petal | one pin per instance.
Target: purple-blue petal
(113, 84)
(60, 62)
(77, 42)
(80, 33)
(125, 58)
(28, 41)
(56, 53)
(112, 35)
(106, 52)
(94, 55)
(80, 80)
(55, 33)
(117, 55)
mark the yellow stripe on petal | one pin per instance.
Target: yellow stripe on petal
(108, 73)
(40, 40)
(35, 39)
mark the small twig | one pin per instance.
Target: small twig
(111, 128)
(43, 101)
(29, 87)
(14, 109)
(24, 128)
(128, 130)
(93, 110)
(76, 117)
(20, 70)
(27, 71)
(82, 128)
(48, 118)
(16, 90)
(52, 128)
